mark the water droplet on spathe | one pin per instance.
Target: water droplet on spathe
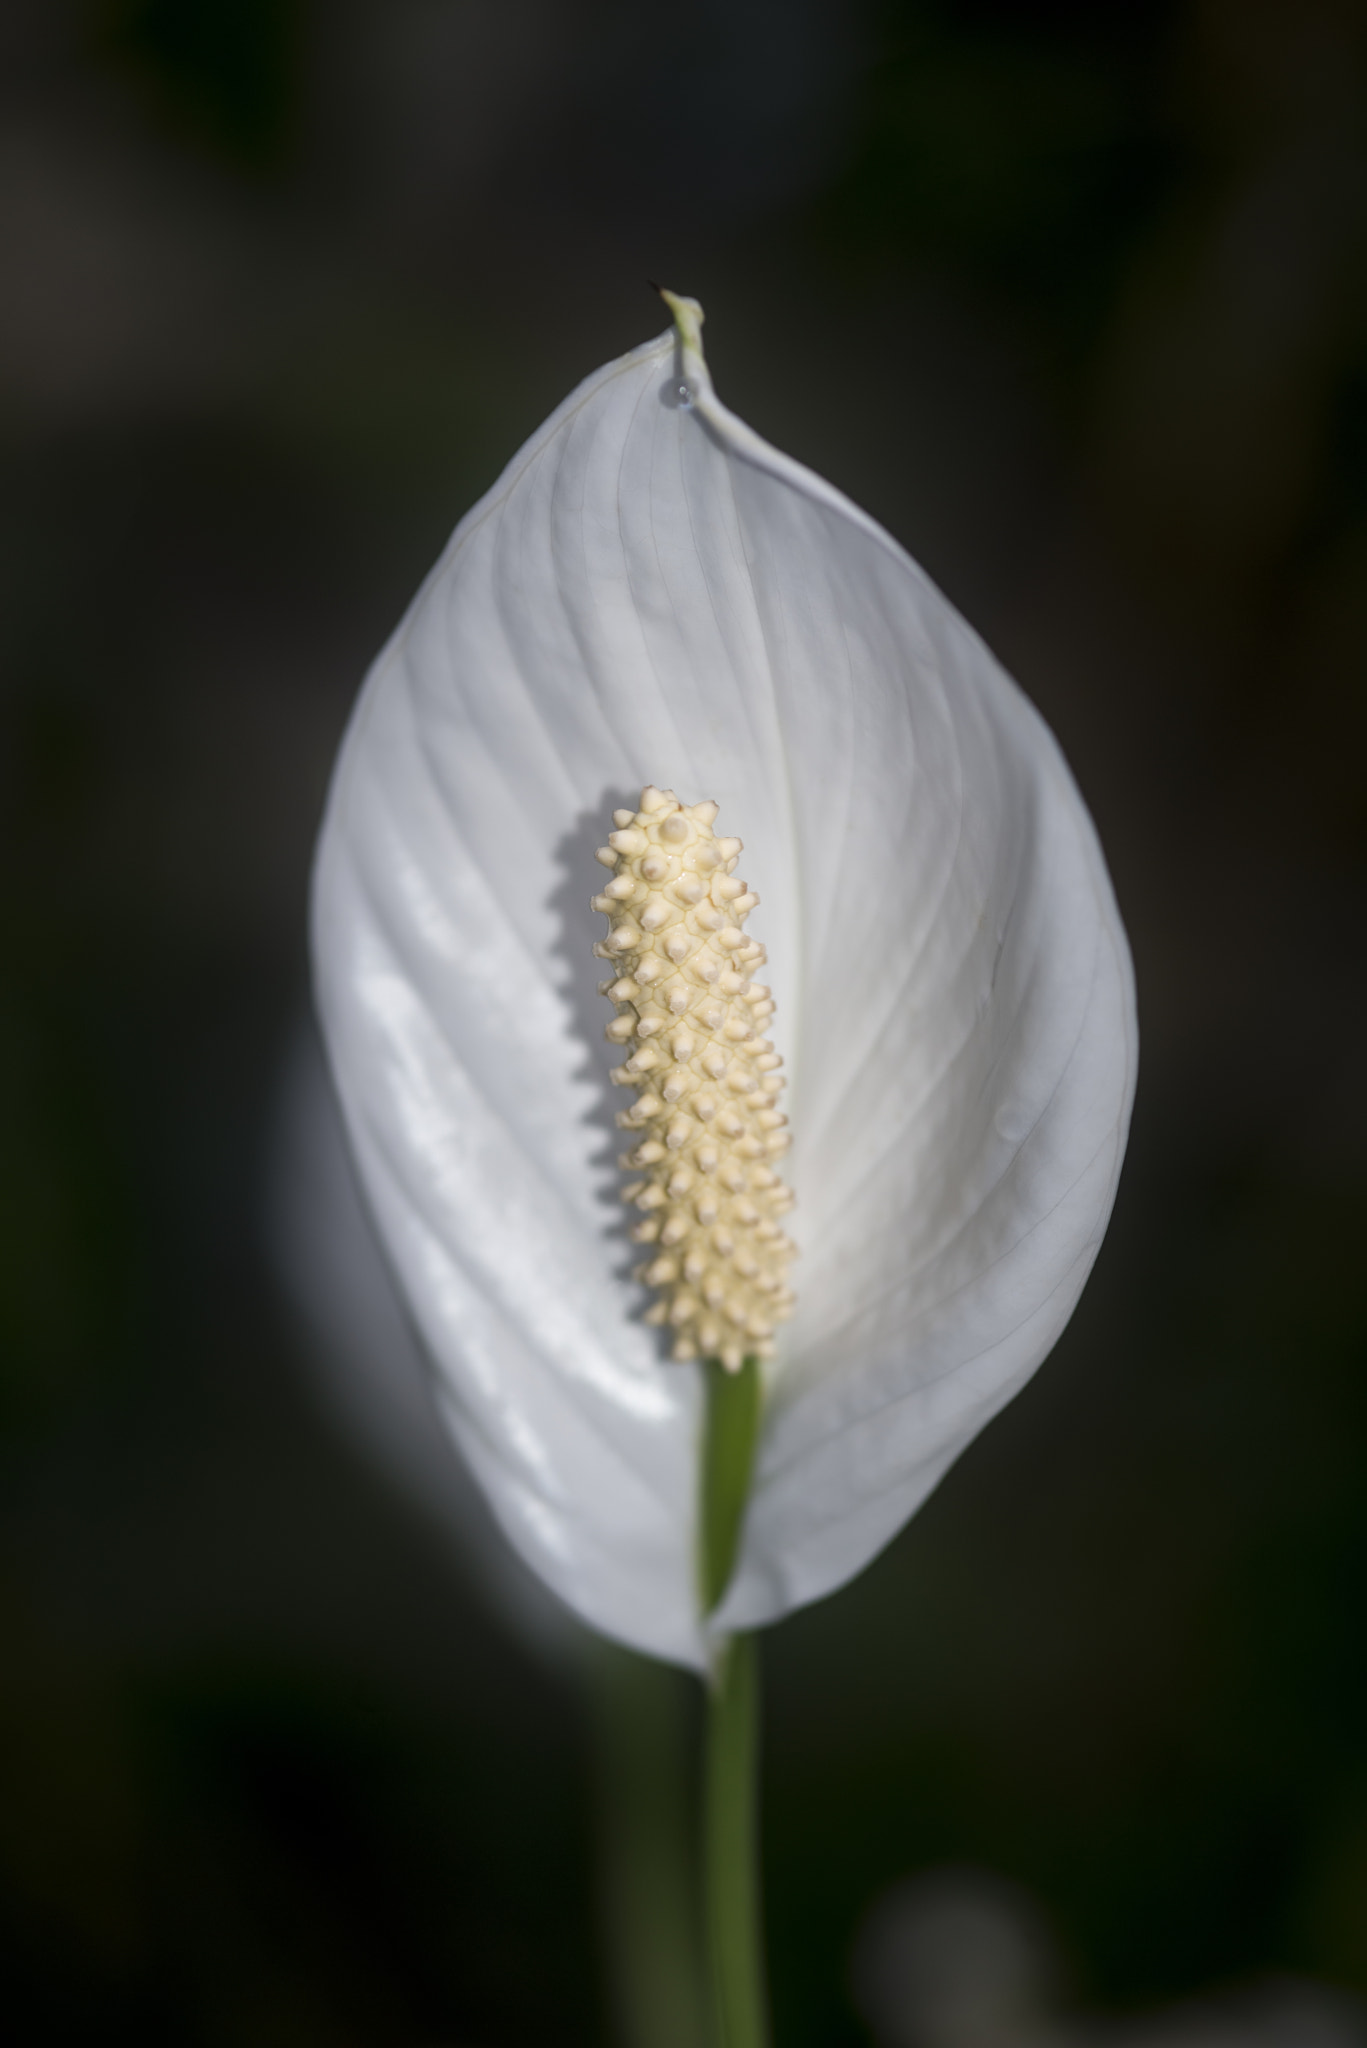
(1013, 1121)
(685, 397)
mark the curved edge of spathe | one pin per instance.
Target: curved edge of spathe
(815, 1556)
(484, 507)
(338, 902)
(594, 1583)
(603, 1598)
(331, 880)
(802, 1557)
(361, 1353)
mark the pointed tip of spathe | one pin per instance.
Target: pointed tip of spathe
(688, 317)
(688, 313)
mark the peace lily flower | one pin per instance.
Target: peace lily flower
(652, 596)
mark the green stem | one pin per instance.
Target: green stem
(643, 1728)
(731, 1847)
(731, 1888)
(728, 1459)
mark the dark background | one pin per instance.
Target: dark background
(1073, 298)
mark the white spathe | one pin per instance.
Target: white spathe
(650, 593)
(362, 1357)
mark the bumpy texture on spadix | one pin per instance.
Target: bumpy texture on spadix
(652, 594)
(706, 1077)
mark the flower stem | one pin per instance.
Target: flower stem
(647, 1854)
(733, 1404)
(730, 1848)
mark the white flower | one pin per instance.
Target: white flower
(651, 594)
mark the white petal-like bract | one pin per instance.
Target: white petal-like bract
(651, 594)
(367, 1367)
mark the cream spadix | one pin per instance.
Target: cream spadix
(652, 595)
(706, 1080)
